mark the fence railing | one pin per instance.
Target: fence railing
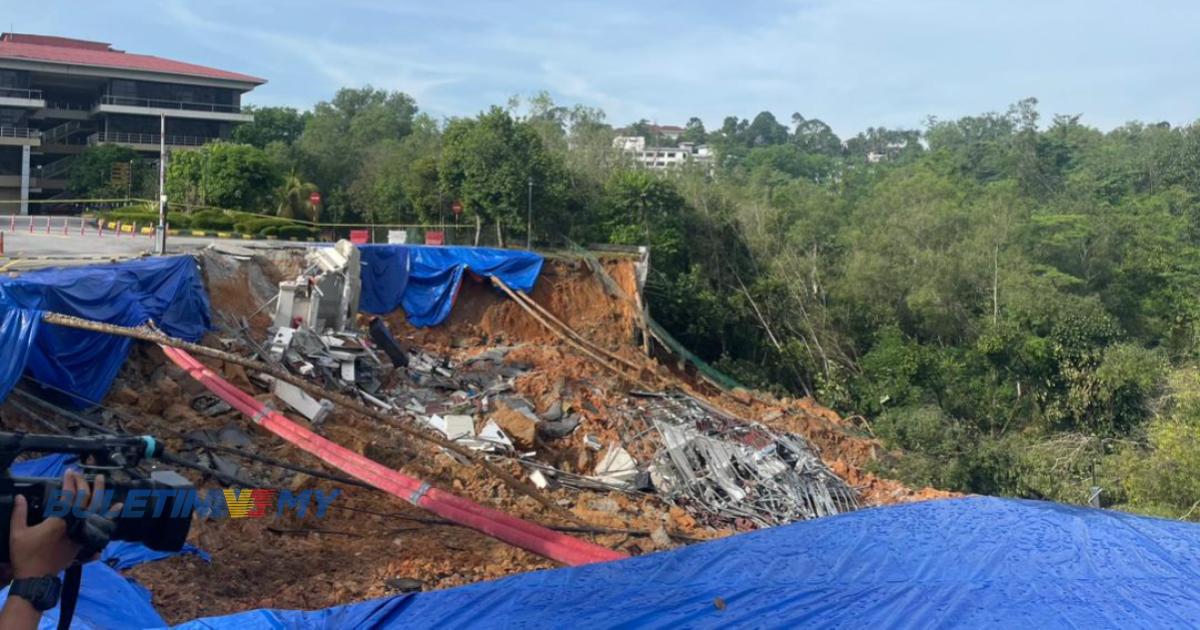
(62, 131)
(19, 132)
(57, 168)
(158, 103)
(118, 137)
(21, 93)
(78, 107)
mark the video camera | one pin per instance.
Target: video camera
(117, 457)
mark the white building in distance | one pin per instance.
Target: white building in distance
(662, 158)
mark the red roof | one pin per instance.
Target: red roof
(80, 52)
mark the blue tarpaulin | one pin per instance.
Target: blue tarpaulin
(964, 563)
(122, 554)
(167, 290)
(18, 329)
(425, 280)
(106, 600)
(53, 465)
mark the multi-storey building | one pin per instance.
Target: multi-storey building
(663, 157)
(59, 96)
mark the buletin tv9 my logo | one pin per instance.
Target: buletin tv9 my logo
(227, 503)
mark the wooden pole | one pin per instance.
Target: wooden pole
(635, 380)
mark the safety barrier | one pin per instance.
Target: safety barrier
(69, 226)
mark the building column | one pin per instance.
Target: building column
(25, 180)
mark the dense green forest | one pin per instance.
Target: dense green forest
(1009, 302)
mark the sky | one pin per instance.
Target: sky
(851, 63)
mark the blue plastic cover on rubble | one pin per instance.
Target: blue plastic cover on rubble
(167, 290)
(971, 562)
(425, 280)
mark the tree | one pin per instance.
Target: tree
(271, 124)
(764, 130)
(487, 163)
(398, 181)
(641, 208)
(341, 132)
(694, 132)
(643, 129)
(91, 172)
(223, 175)
(814, 136)
(892, 144)
(294, 199)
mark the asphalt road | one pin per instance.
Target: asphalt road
(24, 249)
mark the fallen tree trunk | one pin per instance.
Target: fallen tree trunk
(154, 336)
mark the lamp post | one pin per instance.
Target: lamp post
(529, 224)
(161, 244)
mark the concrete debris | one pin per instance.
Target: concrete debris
(231, 435)
(554, 412)
(539, 480)
(518, 422)
(660, 537)
(404, 585)
(494, 438)
(281, 342)
(307, 406)
(616, 468)
(209, 405)
(559, 428)
(453, 426)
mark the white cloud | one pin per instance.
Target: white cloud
(854, 63)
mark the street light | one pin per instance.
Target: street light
(529, 226)
(161, 241)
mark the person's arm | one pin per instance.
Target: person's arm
(41, 550)
(19, 614)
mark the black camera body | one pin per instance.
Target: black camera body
(115, 456)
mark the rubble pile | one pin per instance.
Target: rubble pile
(659, 469)
(740, 470)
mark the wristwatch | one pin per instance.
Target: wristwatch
(41, 592)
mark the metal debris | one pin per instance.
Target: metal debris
(738, 469)
(326, 294)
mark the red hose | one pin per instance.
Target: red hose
(520, 533)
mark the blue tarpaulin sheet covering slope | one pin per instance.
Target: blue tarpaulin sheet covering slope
(425, 280)
(167, 290)
(961, 563)
(18, 329)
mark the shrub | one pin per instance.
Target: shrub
(255, 224)
(296, 231)
(212, 220)
(146, 217)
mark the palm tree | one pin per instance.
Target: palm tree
(293, 199)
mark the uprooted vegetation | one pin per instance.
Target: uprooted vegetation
(567, 421)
